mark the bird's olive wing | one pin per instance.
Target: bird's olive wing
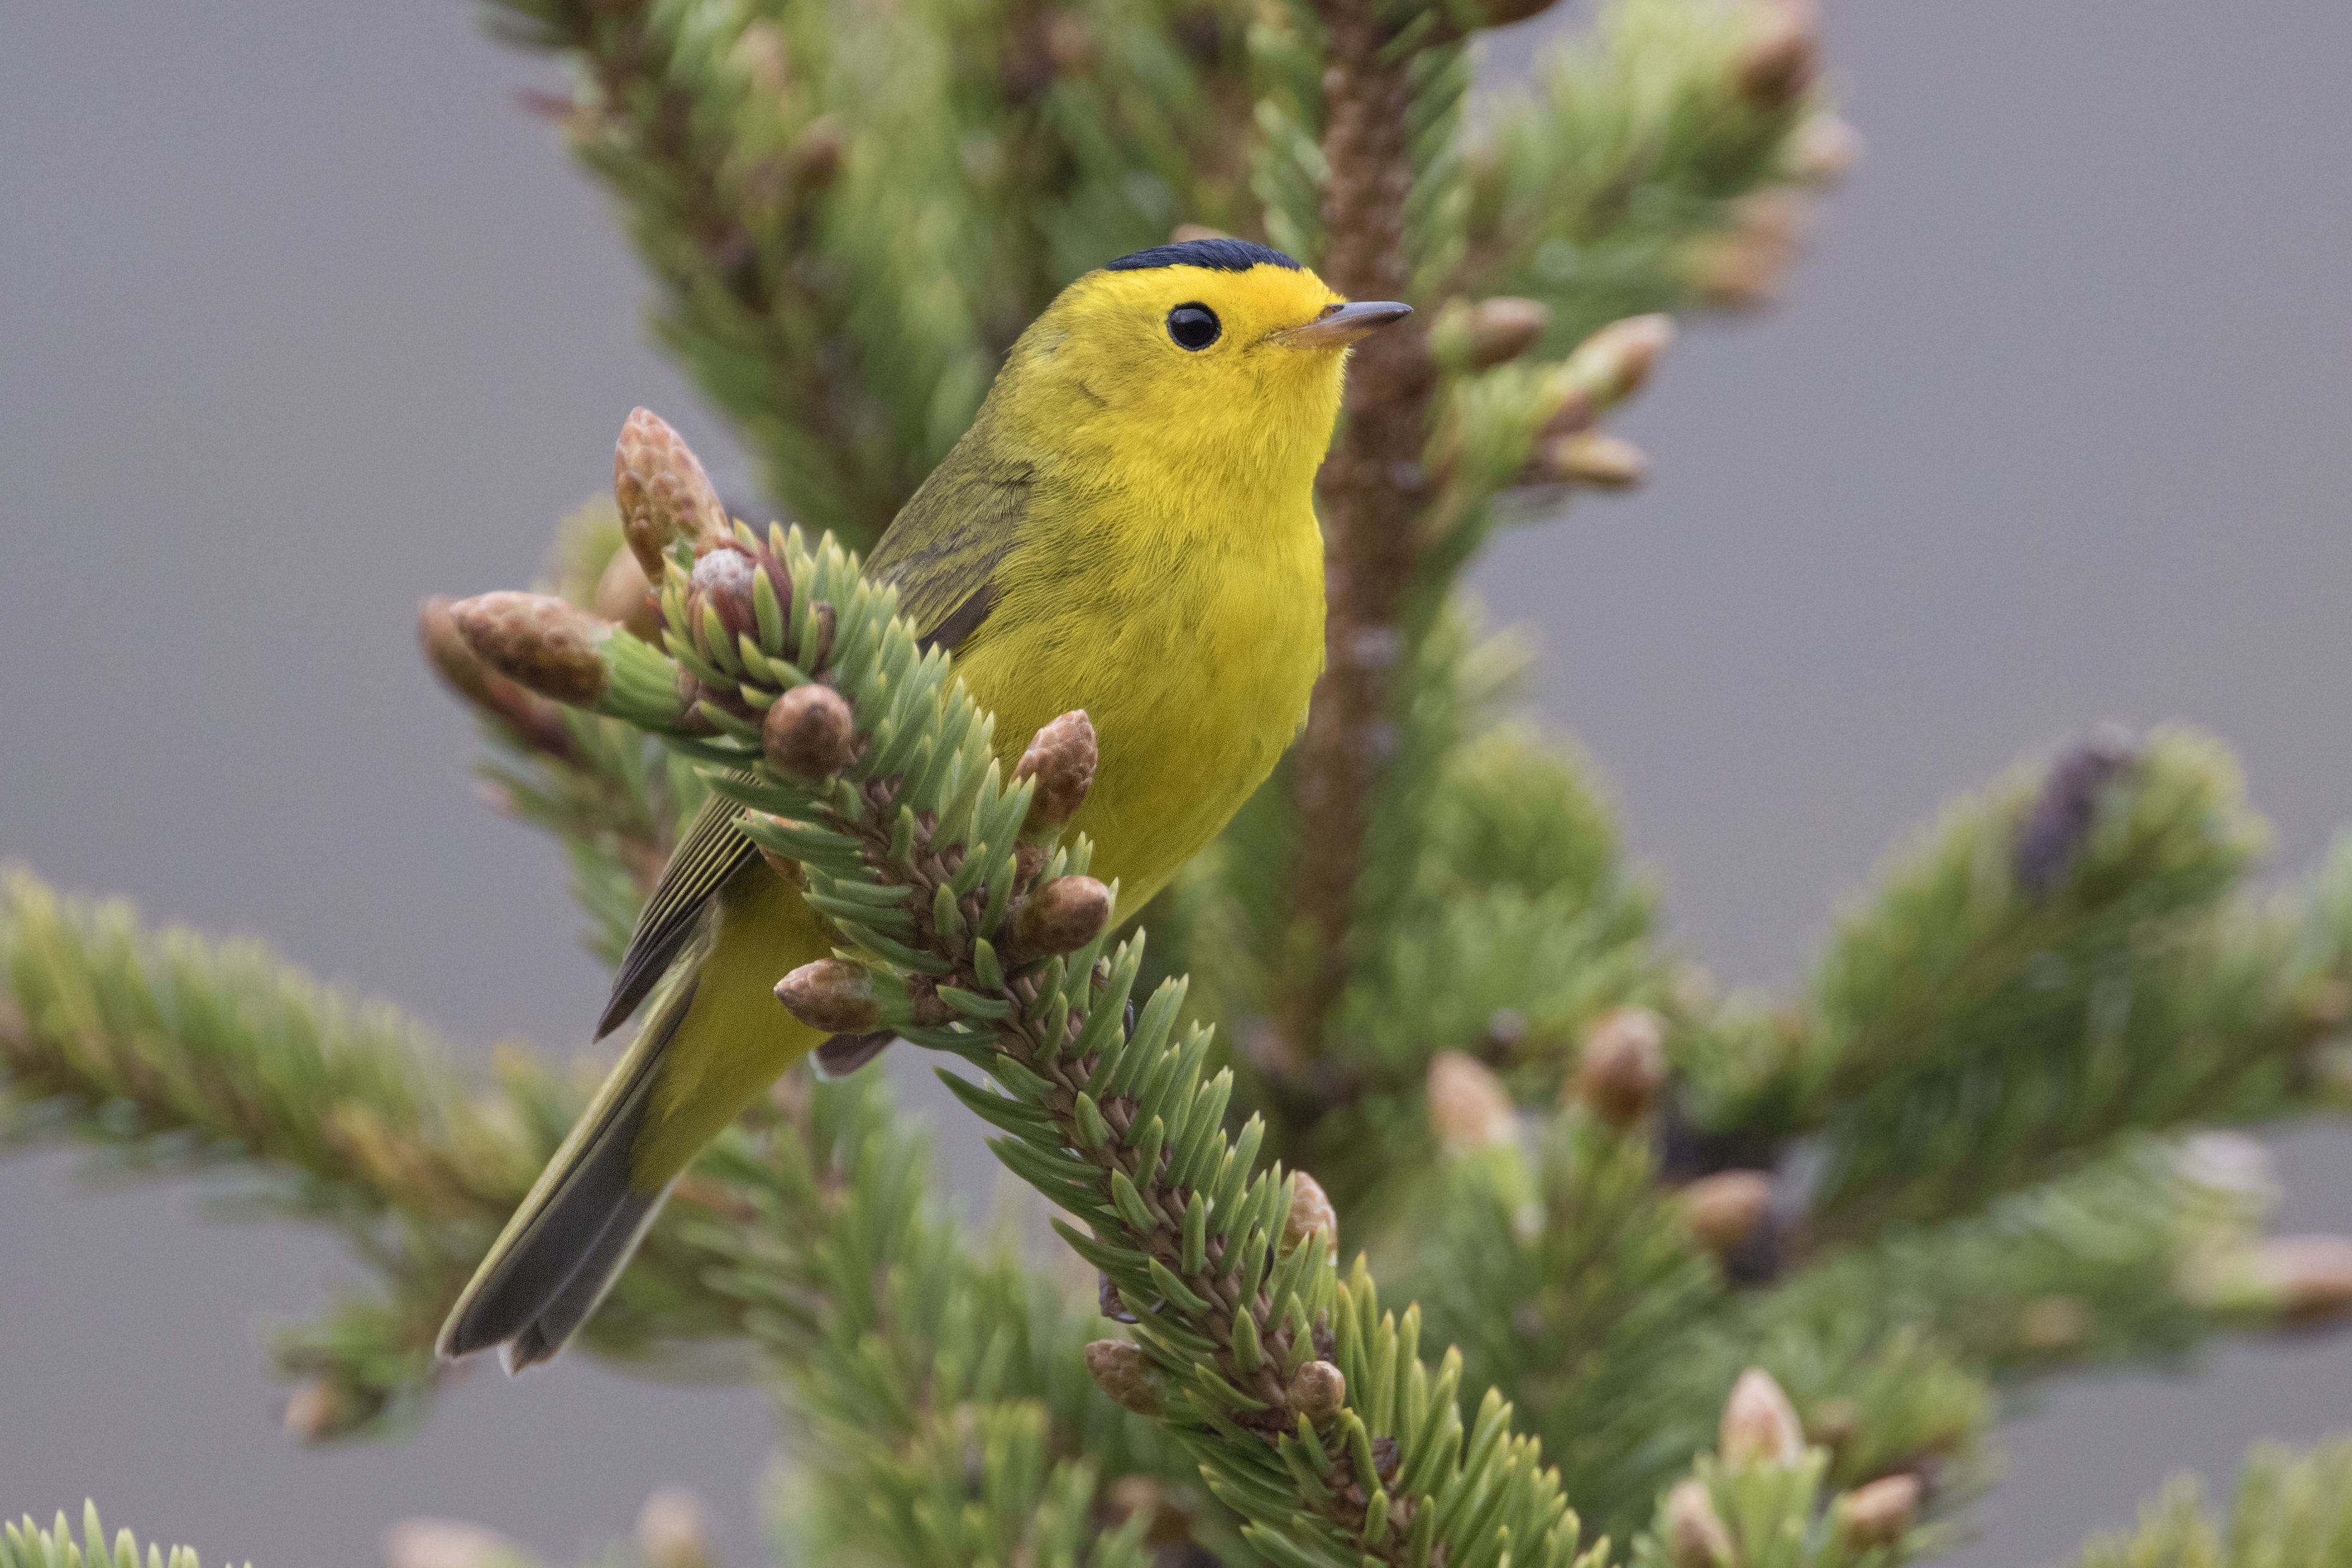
(941, 554)
(943, 551)
(712, 851)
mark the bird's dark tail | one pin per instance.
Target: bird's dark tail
(571, 1237)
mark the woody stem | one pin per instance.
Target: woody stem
(1370, 491)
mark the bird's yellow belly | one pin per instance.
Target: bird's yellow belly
(1195, 682)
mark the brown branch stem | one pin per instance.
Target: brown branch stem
(1371, 491)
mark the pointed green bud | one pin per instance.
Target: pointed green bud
(1695, 1532)
(1880, 1514)
(1063, 916)
(831, 994)
(1125, 1373)
(1062, 759)
(541, 643)
(810, 733)
(1318, 1391)
(662, 492)
(1759, 1426)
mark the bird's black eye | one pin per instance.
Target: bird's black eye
(1193, 326)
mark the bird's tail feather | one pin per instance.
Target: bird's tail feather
(569, 1239)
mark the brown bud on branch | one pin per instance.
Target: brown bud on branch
(1490, 332)
(2308, 1277)
(1695, 1532)
(1824, 151)
(1782, 57)
(1063, 916)
(534, 718)
(1615, 361)
(809, 733)
(1311, 1213)
(1879, 1514)
(1725, 1209)
(675, 1530)
(1593, 457)
(831, 994)
(625, 597)
(1062, 759)
(1759, 1424)
(1623, 1066)
(541, 643)
(662, 492)
(446, 1543)
(1503, 13)
(813, 159)
(1124, 1372)
(1468, 1107)
(720, 590)
(315, 1411)
(1746, 265)
(1318, 1391)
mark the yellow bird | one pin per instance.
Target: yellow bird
(1127, 528)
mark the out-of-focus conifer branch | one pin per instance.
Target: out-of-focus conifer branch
(2061, 960)
(2292, 1510)
(170, 1053)
(29, 1545)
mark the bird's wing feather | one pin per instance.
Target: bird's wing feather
(712, 851)
(941, 554)
(943, 551)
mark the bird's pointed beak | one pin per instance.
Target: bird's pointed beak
(1340, 325)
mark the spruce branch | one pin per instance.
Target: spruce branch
(169, 1052)
(918, 1364)
(1309, 1411)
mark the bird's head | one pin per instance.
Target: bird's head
(1214, 351)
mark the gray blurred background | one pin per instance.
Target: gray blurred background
(301, 318)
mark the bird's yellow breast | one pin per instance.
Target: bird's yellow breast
(1188, 623)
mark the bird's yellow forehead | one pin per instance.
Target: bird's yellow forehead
(1248, 304)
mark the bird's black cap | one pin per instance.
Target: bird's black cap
(1218, 254)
